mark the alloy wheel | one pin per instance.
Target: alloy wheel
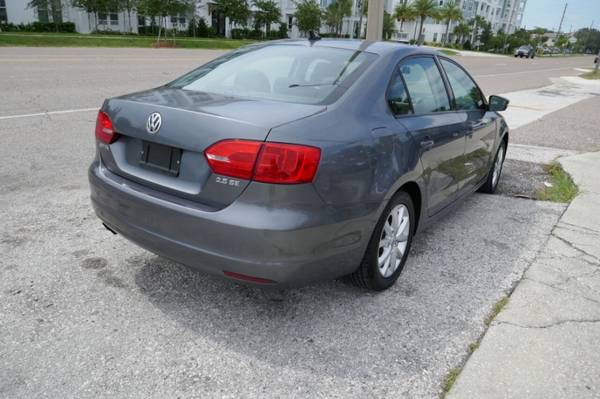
(498, 166)
(394, 240)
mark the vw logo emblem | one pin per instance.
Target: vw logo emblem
(153, 123)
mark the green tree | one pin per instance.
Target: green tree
(389, 25)
(450, 12)
(477, 22)
(486, 35)
(562, 41)
(424, 9)
(308, 16)
(404, 12)
(161, 9)
(51, 8)
(335, 14)
(237, 11)
(461, 31)
(588, 39)
(267, 14)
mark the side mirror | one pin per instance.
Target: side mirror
(497, 103)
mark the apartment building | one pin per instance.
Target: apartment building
(502, 14)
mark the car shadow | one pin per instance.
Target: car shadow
(455, 273)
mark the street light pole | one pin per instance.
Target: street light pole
(375, 20)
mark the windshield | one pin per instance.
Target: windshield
(290, 73)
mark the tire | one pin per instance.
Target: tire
(370, 274)
(490, 185)
(516, 55)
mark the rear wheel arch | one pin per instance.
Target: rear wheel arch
(413, 189)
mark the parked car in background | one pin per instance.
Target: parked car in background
(287, 162)
(525, 51)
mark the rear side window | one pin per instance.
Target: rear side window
(297, 74)
(398, 96)
(425, 85)
(466, 93)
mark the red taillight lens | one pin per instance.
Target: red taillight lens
(264, 162)
(287, 163)
(234, 158)
(104, 128)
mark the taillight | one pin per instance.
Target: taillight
(264, 162)
(104, 128)
(234, 158)
(287, 163)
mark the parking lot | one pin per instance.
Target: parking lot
(84, 313)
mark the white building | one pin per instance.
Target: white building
(502, 14)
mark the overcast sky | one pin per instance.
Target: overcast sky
(546, 14)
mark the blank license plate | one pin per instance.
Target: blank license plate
(161, 157)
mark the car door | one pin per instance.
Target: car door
(480, 125)
(426, 113)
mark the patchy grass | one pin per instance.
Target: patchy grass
(495, 310)
(448, 52)
(563, 188)
(449, 381)
(473, 346)
(77, 40)
(591, 75)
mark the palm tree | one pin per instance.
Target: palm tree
(478, 21)
(450, 12)
(461, 30)
(404, 12)
(424, 9)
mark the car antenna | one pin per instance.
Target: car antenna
(312, 36)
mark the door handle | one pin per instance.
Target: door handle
(427, 144)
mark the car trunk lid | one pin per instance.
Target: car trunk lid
(171, 159)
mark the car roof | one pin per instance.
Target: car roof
(377, 47)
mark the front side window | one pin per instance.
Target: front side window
(466, 93)
(425, 85)
(290, 73)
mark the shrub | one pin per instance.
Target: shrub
(64, 27)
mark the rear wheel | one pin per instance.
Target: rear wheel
(389, 246)
(490, 185)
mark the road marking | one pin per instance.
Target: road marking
(67, 111)
(521, 72)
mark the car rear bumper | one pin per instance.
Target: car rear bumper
(291, 245)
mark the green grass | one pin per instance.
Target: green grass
(495, 310)
(76, 40)
(591, 75)
(563, 188)
(448, 52)
(473, 346)
(449, 381)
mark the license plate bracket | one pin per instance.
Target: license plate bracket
(161, 157)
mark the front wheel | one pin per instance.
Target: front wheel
(389, 245)
(490, 185)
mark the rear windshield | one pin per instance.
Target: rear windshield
(290, 73)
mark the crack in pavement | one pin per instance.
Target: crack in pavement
(555, 287)
(550, 325)
(560, 222)
(575, 247)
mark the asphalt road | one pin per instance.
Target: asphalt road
(53, 79)
(84, 313)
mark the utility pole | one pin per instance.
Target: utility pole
(561, 20)
(375, 20)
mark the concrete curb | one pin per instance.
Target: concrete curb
(546, 341)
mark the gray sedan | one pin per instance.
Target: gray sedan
(292, 161)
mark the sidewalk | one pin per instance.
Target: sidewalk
(546, 342)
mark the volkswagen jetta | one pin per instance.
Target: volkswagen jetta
(293, 161)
